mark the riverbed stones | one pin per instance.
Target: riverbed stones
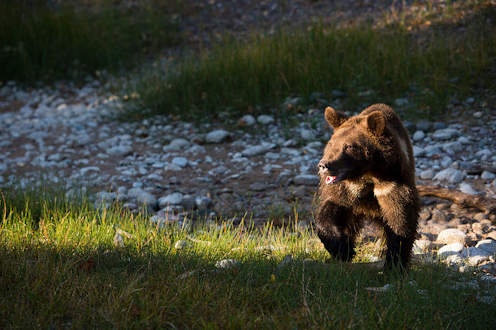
(213, 168)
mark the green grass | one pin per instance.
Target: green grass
(429, 67)
(65, 272)
(43, 42)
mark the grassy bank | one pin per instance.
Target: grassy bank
(39, 41)
(363, 62)
(66, 272)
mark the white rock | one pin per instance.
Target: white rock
(467, 189)
(87, 169)
(447, 162)
(307, 134)
(441, 134)
(450, 249)
(463, 140)
(432, 150)
(487, 245)
(289, 143)
(227, 263)
(488, 175)
(249, 120)
(451, 175)
(180, 161)
(451, 235)
(482, 152)
(418, 151)
(307, 180)
(172, 199)
(257, 150)
(272, 155)
(181, 245)
(120, 150)
(422, 245)
(180, 143)
(172, 167)
(427, 174)
(216, 136)
(143, 197)
(455, 258)
(418, 136)
(196, 149)
(265, 119)
(475, 256)
(452, 147)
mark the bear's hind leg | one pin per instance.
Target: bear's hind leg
(335, 229)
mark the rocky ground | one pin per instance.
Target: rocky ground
(262, 169)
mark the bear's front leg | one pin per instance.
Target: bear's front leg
(400, 210)
(335, 229)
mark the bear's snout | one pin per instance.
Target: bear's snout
(322, 167)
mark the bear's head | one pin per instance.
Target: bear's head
(351, 150)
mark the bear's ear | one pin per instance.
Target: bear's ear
(375, 122)
(335, 118)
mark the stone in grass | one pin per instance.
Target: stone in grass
(181, 245)
(487, 245)
(451, 235)
(247, 120)
(265, 119)
(172, 199)
(227, 263)
(454, 259)
(450, 249)
(143, 197)
(422, 245)
(475, 256)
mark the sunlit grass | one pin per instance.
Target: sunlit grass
(67, 272)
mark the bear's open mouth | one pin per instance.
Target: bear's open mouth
(333, 179)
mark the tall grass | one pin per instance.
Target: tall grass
(42, 42)
(67, 273)
(391, 62)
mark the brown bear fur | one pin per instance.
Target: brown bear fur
(368, 172)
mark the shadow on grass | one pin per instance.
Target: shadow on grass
(50, 286)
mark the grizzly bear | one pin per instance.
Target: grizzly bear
(367, 172)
